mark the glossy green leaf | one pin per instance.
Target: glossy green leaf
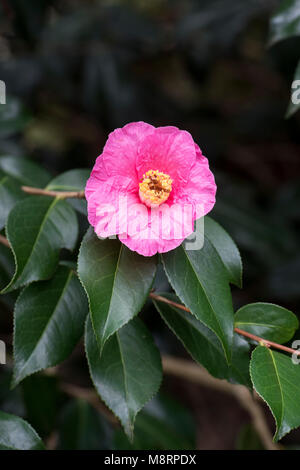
(128, 372)
(6, 265)
(268, 321)
(17, 434)
(294, 105)
(37, 228)
(277, 380)
(24, 171)
(82, 428)
(117, 281)
(200, 280)
(226, 248)
(286, 21)
(6, 272)
(10, 194)
(49, 320)
(73, 180)
(204, 346)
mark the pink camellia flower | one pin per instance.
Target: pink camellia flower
(149, 186)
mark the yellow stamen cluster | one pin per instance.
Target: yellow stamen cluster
(155, 188)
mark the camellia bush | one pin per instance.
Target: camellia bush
(95, 284)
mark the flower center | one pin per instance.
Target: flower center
(155, 188)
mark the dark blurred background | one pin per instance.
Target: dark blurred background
(77, 69)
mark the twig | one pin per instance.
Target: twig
(258, 339)
(59, 194)
(4, 241)
(193, 372)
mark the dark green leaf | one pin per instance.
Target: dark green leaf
(17, 434)
(117, 282)
(163, 424)
(294, 105)
(82, 428)
(204, 346)
(73, 180)
(277, 380)
(49, 319)
(37, 228)
(268, 321)
(128, 373)
(226, 248)
(24, 171)
(6, 272)
(10, 194)
(6, 265)
(286, 21)
(200, 280)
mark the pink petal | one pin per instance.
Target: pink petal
(120, 151)
(97, 177)
(106, 205)
(200, 188)
(168, 150)
(149, 247)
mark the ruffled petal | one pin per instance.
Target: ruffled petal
(120, 150)
(201, 188)
(149, 247)
(158, 230)
(168, 150)
(107, 205)
(97, 177)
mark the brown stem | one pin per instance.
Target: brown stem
(262, 341)
(4, 241)
(59, 194)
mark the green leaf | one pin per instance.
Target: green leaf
(17, 434)
(286, 21)
(163, 424)
(268, 321)
(82, 428)
(10, 194)
(226, 248)
(294, 105)
(6, 265)
(49, 320)
(128, 372)
(24, 171)
(117, 282)
(73, 180)
(6, 271)
(37, 228)
(200, 280)
(204, 346)
(277, 380)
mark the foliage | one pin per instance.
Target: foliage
(73, 294)
(123, 360)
